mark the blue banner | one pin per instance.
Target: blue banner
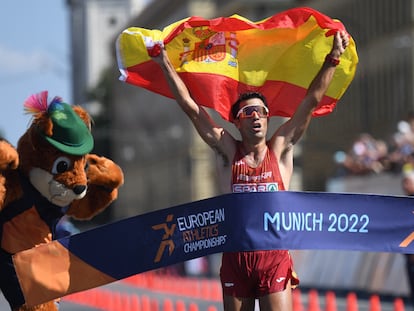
(231, 222)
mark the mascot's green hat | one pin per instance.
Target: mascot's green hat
(70, 133)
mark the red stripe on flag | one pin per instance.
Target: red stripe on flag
(283, 97)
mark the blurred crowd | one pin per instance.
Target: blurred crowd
(368, 154)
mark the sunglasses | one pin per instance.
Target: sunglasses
(247, 111)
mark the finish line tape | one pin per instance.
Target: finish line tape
(230, 222)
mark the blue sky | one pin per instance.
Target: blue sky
(34, 56)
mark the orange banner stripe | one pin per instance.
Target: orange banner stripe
(57, 270)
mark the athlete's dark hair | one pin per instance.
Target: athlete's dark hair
(245, 96)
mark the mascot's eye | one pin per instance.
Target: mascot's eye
(61, 165)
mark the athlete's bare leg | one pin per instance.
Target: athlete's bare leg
(238, 304)
(279, 301)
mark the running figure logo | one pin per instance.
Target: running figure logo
(166, 238)
(408, 240)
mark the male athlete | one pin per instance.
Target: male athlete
(256, 164)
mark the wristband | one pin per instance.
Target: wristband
(331, 60)
(155, 50)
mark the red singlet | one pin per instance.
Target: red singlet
(256, 273)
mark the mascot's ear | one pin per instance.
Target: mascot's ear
(30, 140)
(43, 124)
(31, 144)
(83, 115)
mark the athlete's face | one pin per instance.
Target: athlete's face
(252, 118)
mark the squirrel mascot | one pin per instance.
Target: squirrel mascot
(51, 174)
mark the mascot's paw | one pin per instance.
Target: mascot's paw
(104, 172)
(9, 158)
(104, 179)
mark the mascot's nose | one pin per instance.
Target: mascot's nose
(79, 189)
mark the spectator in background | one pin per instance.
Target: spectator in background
(402, 144)
(367, 155)
(408, 188)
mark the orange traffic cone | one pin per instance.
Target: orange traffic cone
(351, 302)
(399, 304)
(168, 305)
(330, 301)
(374, 303)
(313, 302)
(297, 300)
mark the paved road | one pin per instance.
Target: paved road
(65, 306)
(68, 304)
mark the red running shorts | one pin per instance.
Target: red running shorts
(256, 273)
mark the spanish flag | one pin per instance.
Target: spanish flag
(220, 58)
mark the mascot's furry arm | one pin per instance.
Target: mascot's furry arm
(104, 178)
(50, 174)
(9, 160)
